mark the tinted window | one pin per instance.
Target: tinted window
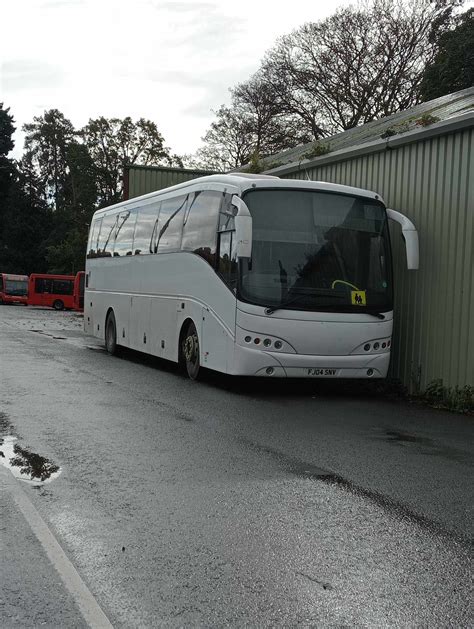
(170, 225)
(93, 237)
(227, 260)
(63, 287)
(107, 236)
(1, 282)
(42, 285)
(124, 234)
(200, 225)
(145, 224)
(227, 213)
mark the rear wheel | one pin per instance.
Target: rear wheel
(190, 352)
(58, 305)
(111, 335)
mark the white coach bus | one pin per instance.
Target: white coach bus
(248, 275)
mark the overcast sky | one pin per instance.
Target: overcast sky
(171, 62)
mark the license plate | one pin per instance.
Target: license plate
(321, 372)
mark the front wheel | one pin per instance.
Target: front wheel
(58, 305)
(111, 335)
(190, 351)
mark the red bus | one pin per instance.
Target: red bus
(78, 295)
(13, 289)
(55, 291)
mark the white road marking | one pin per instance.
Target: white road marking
(88, 606)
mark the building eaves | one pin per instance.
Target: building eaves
(416, 118)
(440, 128)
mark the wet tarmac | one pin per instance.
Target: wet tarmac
(232, 502)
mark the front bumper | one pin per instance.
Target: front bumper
(255, 362)
(11, 299)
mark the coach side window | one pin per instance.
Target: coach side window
(146, 218)
(105, 246)
(169, 230)
(124, 234)
(200, 225)
(94, 236)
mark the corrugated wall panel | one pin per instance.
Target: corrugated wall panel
(142, 179)
(432, 182)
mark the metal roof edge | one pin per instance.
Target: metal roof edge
(172, 169)
(455, 123)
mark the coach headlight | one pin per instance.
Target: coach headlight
(265, 342)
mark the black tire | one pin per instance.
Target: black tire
(190, 352)
(58, 304)
(111, 335)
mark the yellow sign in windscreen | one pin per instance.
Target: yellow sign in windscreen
(358, 297)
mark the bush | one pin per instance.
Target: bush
(459, 399)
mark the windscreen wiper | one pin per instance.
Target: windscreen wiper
(271, 309)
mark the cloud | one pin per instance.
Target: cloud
(27, 74)
(182, 7)
(60, 4)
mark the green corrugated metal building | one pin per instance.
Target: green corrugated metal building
(422, 163)
(140, 180)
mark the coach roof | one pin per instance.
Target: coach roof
(242, 182)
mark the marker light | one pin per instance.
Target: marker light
(256, 341)
(278, 344)
(267, 342)
(367, 347)
(248, 339)
(376, 345)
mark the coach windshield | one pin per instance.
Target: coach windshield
(317, 251)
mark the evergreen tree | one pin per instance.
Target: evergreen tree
(24, 217)
(453, 67)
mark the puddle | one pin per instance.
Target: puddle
(26, 465)
(426, 446)
(400, 437)
(44, 333)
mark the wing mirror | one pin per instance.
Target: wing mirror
(243, 228)
(410, 236)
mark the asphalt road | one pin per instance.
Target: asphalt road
(229, 502)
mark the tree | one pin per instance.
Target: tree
(452, 68)
(66, 246)
(227, 143)
(273, 130)
(357, 65)
(7, 168)
(251, 128)
(24, 217)
(46, 144)
(6, 131)
(115, 143)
